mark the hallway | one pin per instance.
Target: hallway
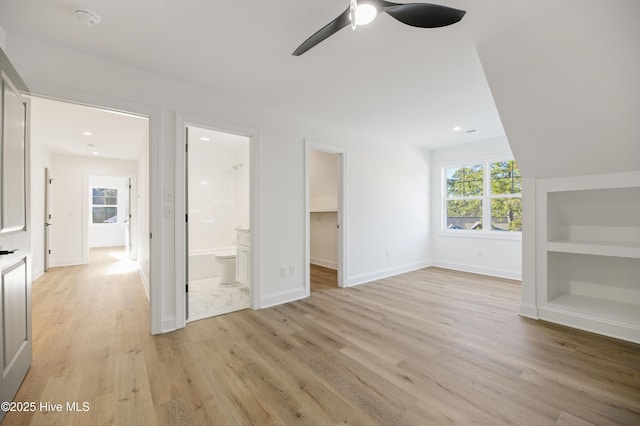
(90, 324)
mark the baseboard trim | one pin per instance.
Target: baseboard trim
(282, 297)
(324, 263)
(616, 329)
(35, 275)
(385, 273)
(168, 324)
(67, 262)
(474, 269)
(145, 282)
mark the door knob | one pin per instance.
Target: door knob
(5, 252)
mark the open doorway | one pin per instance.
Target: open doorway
(72, 146)
(218, 217)
(110, 213)
(325, 217)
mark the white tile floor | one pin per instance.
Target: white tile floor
(208, 298)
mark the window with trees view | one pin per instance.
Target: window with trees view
(486, 193)
(104, 205)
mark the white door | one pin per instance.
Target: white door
(15, 256)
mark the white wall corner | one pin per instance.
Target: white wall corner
(528, 295)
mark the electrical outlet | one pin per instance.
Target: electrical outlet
(480, 253)
(292, 270)
(283, 271)
(386, 254)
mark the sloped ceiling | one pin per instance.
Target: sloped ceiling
(567, 86)
(397, 82)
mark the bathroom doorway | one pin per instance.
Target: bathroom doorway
(218, 216)
(325, 217)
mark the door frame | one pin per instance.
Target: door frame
(87, 214)
(154, 115)
(47, 218)
(180, 192)
(341, 152)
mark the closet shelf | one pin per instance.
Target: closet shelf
(599, 248)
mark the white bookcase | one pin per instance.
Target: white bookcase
(588, 253)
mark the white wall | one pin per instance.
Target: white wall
(218, 193)
(70, 204)
(323, 181)
(388, 182)
(566, 86)
(3, 39)
(242, 187)
(109, 234)
(496, 254)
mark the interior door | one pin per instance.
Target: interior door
(15, 258)
(47, 217)
(127, 221)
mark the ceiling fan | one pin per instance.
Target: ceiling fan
(423, 15)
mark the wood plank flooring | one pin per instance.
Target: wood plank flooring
(428, 347)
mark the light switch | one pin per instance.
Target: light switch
(168, 211)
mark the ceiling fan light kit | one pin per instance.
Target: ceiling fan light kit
(421, 15)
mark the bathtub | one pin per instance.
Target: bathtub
(203, 263)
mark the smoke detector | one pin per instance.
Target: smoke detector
(90, 19)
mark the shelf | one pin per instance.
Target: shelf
(324, 211)
(598, 248)
(601, 309)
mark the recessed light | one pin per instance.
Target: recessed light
(91, 145)
(205, 139)
(95, 153)
(87, 133)
(204, 182)
(457, 129)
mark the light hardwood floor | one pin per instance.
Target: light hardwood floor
(428, 347)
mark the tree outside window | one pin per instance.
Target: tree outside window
(484, 193)
(104, 205)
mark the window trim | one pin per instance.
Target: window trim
(117, 197)
(486, 198)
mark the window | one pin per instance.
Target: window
(484, 193)
(104, 205)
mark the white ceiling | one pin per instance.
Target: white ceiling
(60, 126)
(388, 79)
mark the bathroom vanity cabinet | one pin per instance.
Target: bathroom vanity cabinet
(243, 255)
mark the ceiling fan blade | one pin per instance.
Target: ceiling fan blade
(328, 30)
(423, 15)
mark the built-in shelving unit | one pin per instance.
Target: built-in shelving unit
(588, 253)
